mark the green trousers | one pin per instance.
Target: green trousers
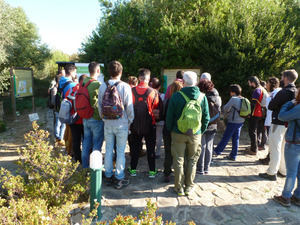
(185, 151)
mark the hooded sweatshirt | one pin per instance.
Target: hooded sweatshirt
(64, 80)
(176, 106)
(93, 90)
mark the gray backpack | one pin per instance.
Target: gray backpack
(65, 115)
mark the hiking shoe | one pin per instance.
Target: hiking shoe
(282, 200)
(264, 161)
(295, 200)
(188, 191)
(230, 158)
(250, 152)
(280, 175)
(109, 180)
(132, 172)
(267, 176)
(152, 174)
(119, 184)
(199, 172)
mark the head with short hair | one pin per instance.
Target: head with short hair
(205, 85)
(115, 69)
(62, 72)
(289, 76)
(155, 83)
(206, 76)
(179, 74)
(253, 81)
(94, 69)
(82, 77)
(132, 81)
(236, 89)
(70, 70)
(174, 87)
(272, 83)
(263, 83)
(189, 79)
(144, 75)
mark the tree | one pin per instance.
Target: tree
(20, 44)
(231, 39)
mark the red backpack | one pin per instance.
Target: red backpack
(82, 101)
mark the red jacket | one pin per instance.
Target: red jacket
(152, 100)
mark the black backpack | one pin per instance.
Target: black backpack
(59, 96)
(214, 112)
(142, 122)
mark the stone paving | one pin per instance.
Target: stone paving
(232, 193)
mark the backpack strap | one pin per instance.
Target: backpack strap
(144, 96)
(88, 83)
(65, 85)
(186, 98)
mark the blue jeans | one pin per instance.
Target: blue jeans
(119, 134)
(233, 130)
(59, 128)
(93, 139)
(292, 162)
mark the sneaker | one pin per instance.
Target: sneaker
(199, 172)
(109, 180)
(119, 184)
(280, 175)
(205, 172)
(295, 200)
(179, 192)
(230, 158)
(261, 148)
(268, 177)
(282, 200)
(188, 191)
(132, 172)
(152, 174)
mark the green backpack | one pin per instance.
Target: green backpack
(245, 109)
(190, 120)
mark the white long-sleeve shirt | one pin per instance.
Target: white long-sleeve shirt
(268, 119)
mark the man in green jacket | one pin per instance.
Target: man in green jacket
(186, 146)
(93, 127)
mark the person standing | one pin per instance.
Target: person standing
(168, 161)
(290, 112)
(187, 118)
(145, 100)
(116, 126)
(273, 88)
(93, 127)
(65, 84)
(234, 124)
(207, 140)
(258, 101)
(278, 128)
(179, 77)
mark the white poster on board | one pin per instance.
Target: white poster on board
(83, 68)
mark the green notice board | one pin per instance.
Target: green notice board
(23, 82)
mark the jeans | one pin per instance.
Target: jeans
(77, 135)
(207, 143)
(262, 133)
(60, 127)
(168, 155)
(135, 144)
(185, 151)
(276, 148)
(292, 161)
(120, 134)
(93, 138)
(253, 128)
(233, 130)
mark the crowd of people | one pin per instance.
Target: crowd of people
(184, 120)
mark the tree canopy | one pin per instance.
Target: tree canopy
(230, 39)
(20, 45)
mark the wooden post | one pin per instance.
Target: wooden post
(12, 93)
(33, 105)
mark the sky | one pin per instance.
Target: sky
(62, 24)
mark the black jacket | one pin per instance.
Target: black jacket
(216, 99)
(288, 93)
